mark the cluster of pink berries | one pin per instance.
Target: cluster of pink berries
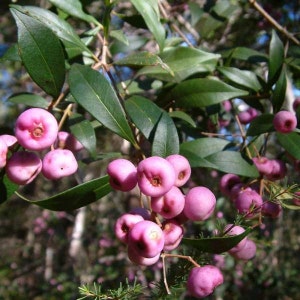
(37, 130)
(147, 234)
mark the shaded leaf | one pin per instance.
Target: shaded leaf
(290, 142)
(279, 91)
(216, 245)
(12, 54)
(7, 188)
(261, 124)
(33, 100)
(76, 197)
(120, 36)
(182, 116)
(95, 94)
(41, 53)
(243, 53)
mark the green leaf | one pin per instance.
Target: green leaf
(33, 100)
(74, 8)
(62, 29)
(76, 197)
(276, 58)
(243, 78)
(95, 94)
(203, 92)
(233, 162)
(150, 12)
(279, 91)
(120, 36)
(247, 54)
(183, 62)
(261, 124)
(41, 53)
(165, 141)
(216, 245)
(177, 114)
(7, 188)
(290, 142)
(12, 54)
(84, 132)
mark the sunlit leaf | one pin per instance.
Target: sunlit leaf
(33, 100)
(290, 142)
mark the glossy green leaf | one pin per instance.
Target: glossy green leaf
(76, 197)
(7, 188)
(84, 132)
(243, 78)
(216, 245)
(95, 94)
(60, 27)
(150, 12)
(261, 124)
(12, 54)
(203, 92)
(74, 8)
(120, 36)
(33, 100)
(290, 142)
(183, 62)
(233, 162)
(41, 53)
(276, 58)
(165, 140)
(177, 114)
(279, 93)
(247, 54)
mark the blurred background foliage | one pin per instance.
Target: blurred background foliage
(35, 260)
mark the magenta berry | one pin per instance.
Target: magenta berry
(3, 153)
(278, 170)
(23, 167)
(9, 139)
(66, 140)
(247, 252)
(232, 230)
(173, 234)
(227, 182)
(122, 174)
(200, 203)
(59, 163)
(248, 201)
(141, 260)
(156, 176)
(263, 165)
(170, 204)
(202, 281)
(248, 115)
(182, 168)
(36, 129)
(146, 239)
(271, 209)
(285, 121)
(124, 224)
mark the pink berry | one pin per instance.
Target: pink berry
(296, 103)
(23, 167)
(3, 153)
(263, 165)
(278, 170)
(182, 168)
(173, 234)
(247, 201)
(232, 230)
(170, 204)
(271, 209)
(122, 174)
(202, 281)
(285, 121)
(145, 213)
(200, 203)
(59, 163)
(66, 140)
(248, 115)
(36, 129)
(9, 139)
(156, 176)
(124, 224)
(227, 181)
(146, 239)
(141, 260)
(247, 252)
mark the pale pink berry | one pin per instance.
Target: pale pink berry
(182, 168)
(232, 230)
(278, 170)
(248, 202)
(227, 182)
(122, 174)
(170, 204)
(141, 260)
(23, 167)
(124, 223)
(248, 115)
(202, 281)
(36, 129)
(173, 234)
(285, 121)
(66, 140)
(247, 252)
(271, 209)
(59, 163)
(3, 153)
(9, 139)
(146, 239)
(263, 165)
(155, 176)
(200, 203)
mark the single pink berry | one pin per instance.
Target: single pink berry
(36, 129)
(122, 174)
(124, 223)
(145, 213)
(66, 140)
(227, 182)
(3, 153)
(173, 234)
(141, 260)
(200, 203)
(278, 170)
(155, 176)
(59, 163)
(271, 209)
(248, 115)
(263, 165)
(170, 204)
(202, 281)
(247, 252)
(285, 121)
(231, 230)
(9, 139)
(182, 168)
(146, 238)
(23, 167)
(248, 202)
